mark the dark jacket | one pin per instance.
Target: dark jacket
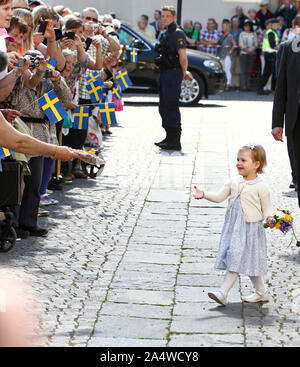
(288, 13)
(287, 92)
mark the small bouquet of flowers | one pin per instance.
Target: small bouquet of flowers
(89, 157)
(283, 221)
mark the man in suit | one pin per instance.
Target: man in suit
(286, 108)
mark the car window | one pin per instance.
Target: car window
(125, 38)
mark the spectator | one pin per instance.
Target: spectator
(157, 18)
(142, 26)
(281, 27)
(191, 34)
(269, 47)
(160, 29)
(262, 57)
(19, 4)
(291, 33)
(209, 38)
(288, 11)
(225, 47)
(254, 20)
(28, 40)
(263, 14)
(34, 3)
(235, 56)
(240, 15)
(247, 44)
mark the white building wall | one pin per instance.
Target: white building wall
(196, 10)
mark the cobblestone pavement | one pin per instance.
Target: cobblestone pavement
(129, 256)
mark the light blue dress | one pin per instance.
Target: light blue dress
(243, 245)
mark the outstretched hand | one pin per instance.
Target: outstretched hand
(199, 194)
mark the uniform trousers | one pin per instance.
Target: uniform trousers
(295, 138)
(169, 94)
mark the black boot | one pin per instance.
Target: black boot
(173, 141)
(163, 141)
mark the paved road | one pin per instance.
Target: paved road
(129, 257)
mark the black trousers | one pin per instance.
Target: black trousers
(169, 94)
(28, 212)
(269, 69)
(291, 157)
(295, 138)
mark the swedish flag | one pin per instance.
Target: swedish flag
(4, 152)
(81, 118)
(95, 91)
(93, 77)
(107, 112)
(52, 107)
(51, 63)
(123, 79)
(116, 93)
(134, 55)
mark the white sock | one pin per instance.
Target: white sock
(228, 283)
(258, 283)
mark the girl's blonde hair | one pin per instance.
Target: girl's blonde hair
(258, 154)
(28, 18)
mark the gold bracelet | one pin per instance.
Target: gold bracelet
(56, 149)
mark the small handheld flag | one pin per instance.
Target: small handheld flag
(51, 63)
(52, 107)
(134, 55)
(107, 112)
(116, 93)
(95, 91)
(93, 77)
(123, 79)
(4, 152)
(81, 118)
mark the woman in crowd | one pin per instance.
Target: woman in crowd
(226, 45)
(248, 45)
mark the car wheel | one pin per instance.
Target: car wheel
(192, 91)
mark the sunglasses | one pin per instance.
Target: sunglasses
(95, 20)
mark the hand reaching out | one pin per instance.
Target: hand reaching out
(199, 194)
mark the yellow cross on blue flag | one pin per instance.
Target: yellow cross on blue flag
(95, 91)
(4, 152)
(107, 112)
(51, 63)
(81, 118)
(134, 55)
(94, 76)
(52, 107)
(116, 92)
(123, 79)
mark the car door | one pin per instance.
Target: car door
(143, 73)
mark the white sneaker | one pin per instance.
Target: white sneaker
(218, 297)
(257, 297)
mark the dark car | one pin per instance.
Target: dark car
(207, 70)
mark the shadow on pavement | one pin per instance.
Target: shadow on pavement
(149, 104)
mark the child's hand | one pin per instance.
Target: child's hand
(199, 194)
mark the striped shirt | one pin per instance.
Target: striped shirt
(206, 35)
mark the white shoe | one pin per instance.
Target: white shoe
(257, 297)
(218, 297)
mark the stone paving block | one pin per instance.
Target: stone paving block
(168, 196)
(163, 298)
(200, 280)
(206, 340)
(144, 280)
(201, 267)
(144, 267)
(207, 324)
(117, 326)
(135, 310)
(150, 258)
(126, 343)
(199, 294)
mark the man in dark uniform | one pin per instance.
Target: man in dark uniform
(173, 68)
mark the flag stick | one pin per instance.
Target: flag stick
(58, 163)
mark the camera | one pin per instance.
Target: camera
(34, 62)
(88, 42)
(70, 35)
(42, 26)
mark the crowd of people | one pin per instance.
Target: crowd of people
(239, 42)
(32, 33)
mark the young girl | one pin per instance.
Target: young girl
(243, 247)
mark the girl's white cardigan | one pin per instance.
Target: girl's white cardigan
(255, 198)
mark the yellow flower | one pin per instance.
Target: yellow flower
(287, 218)
(277, 225)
